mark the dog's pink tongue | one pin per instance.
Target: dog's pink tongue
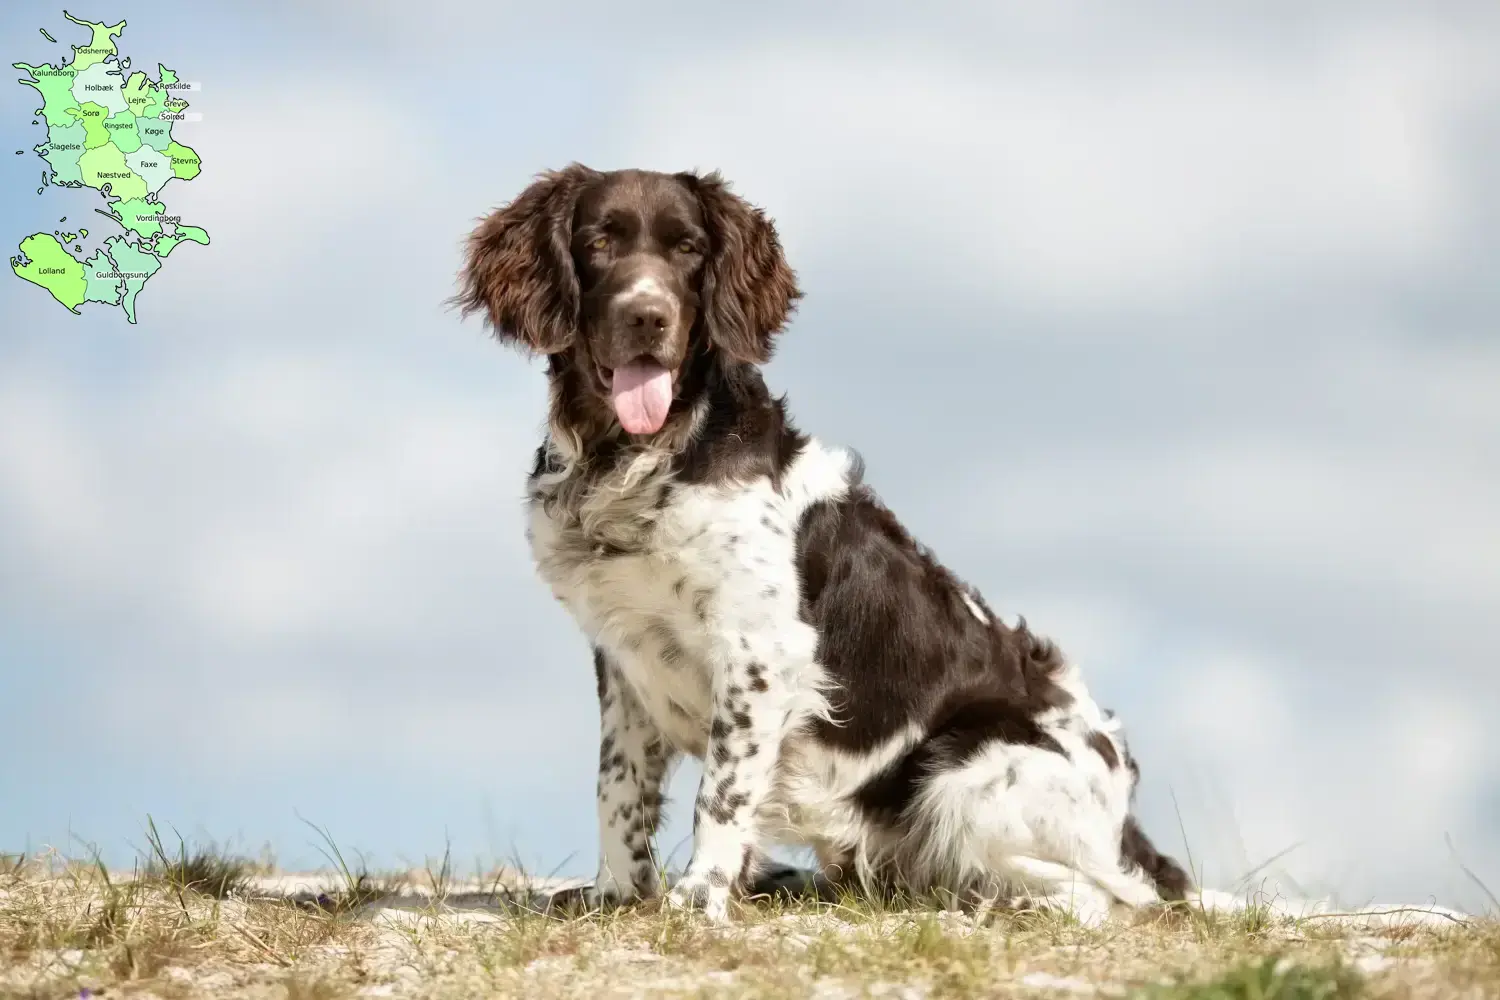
(642, 393)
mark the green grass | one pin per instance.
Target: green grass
(206, 870)
(1271, 977)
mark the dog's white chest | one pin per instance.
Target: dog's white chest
(674, 582)
(644, 591)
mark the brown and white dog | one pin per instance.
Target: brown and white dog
(752, 603)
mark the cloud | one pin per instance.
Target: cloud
(1157, 180)
(1267, 505)
(257, 495)
(1360, 791)
(288, 180)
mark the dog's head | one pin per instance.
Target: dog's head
(623, 277)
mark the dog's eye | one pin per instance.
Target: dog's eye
(602, 243)
(686, 246)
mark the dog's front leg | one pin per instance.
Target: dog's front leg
(633, 761)
(764, 685)
(737, 774)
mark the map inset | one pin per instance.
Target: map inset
(109, 129)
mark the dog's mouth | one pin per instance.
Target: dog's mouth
(641, 394)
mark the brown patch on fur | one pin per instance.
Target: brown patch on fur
(519, 268)
(749, 290)
(1105, 748)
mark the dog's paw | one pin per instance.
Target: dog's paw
(697, 892)
(608, 894)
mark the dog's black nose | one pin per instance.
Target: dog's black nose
(646, 314)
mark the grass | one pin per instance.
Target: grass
(207, 870)
(1270, 977)
(189, 922)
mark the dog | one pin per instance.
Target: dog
(751, 602)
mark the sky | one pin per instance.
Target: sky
(1174, 328)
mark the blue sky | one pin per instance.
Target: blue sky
(1173, 329)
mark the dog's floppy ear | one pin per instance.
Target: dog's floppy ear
(518, 267)
(749, 290)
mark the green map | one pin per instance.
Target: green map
(109, 129)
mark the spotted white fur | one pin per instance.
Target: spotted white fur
(1032, 820)
(693, 605)
(690, 595)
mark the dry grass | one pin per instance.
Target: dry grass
(188, 924)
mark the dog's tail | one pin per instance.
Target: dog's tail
(1172, 882)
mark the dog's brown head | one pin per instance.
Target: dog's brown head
(625, 277)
